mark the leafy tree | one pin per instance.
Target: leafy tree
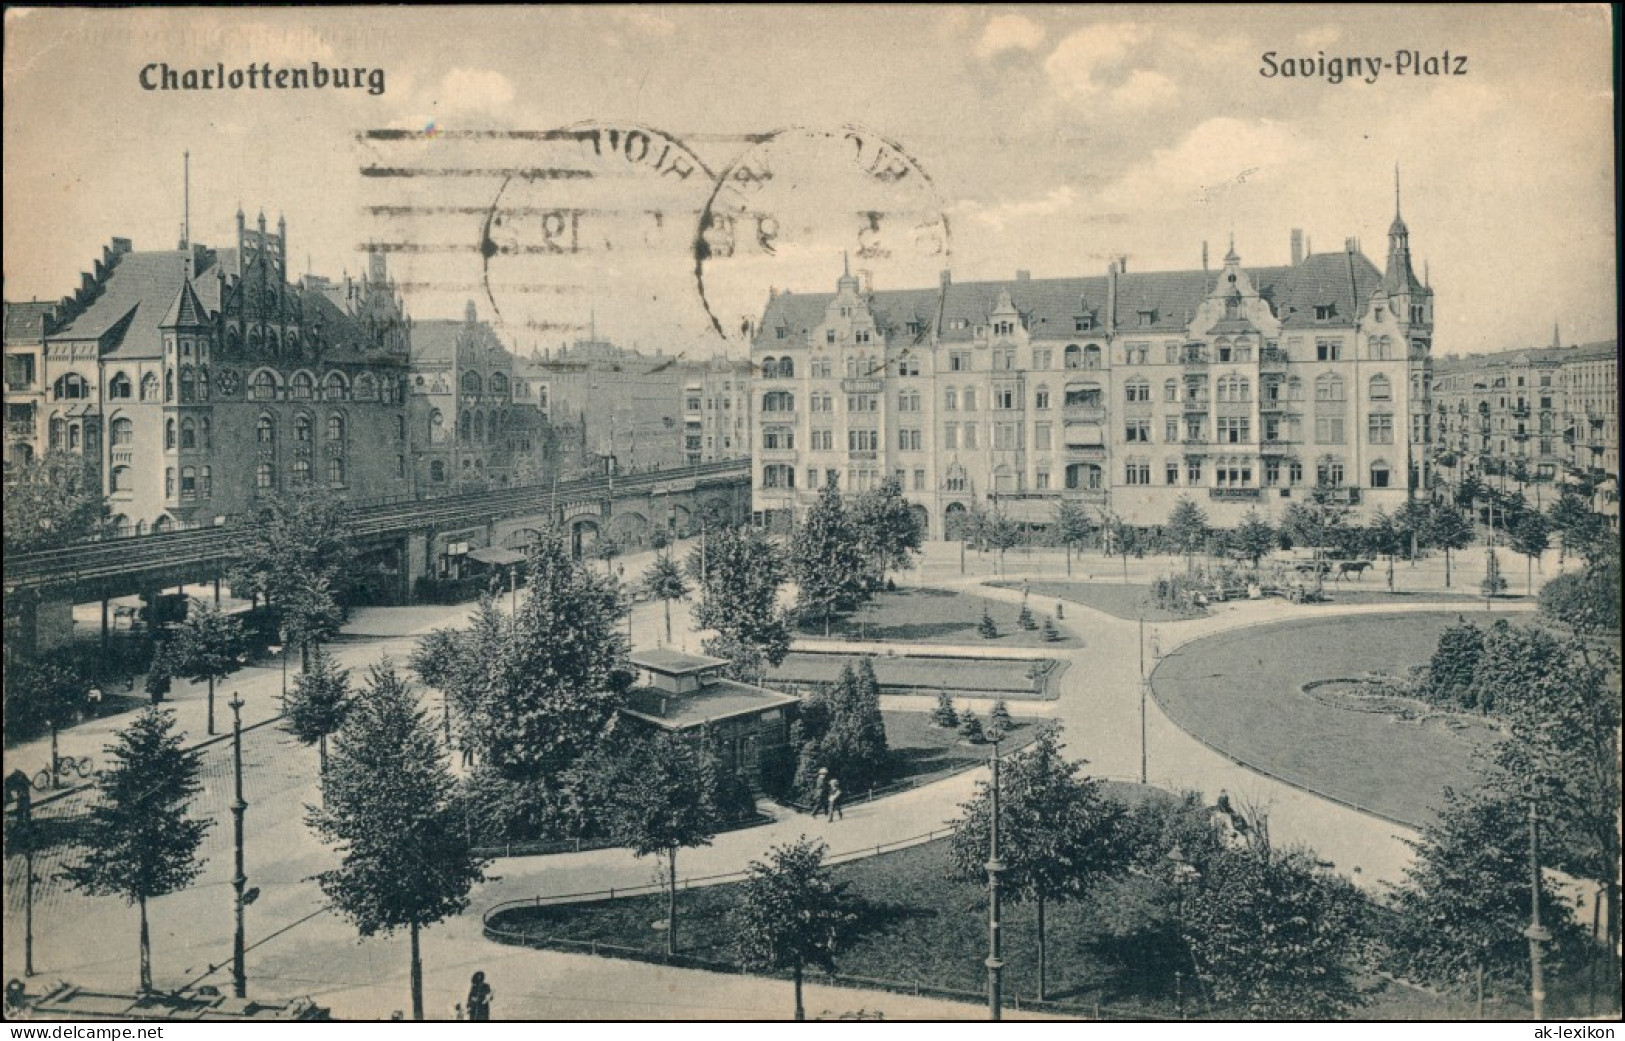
(1454, 667)
(825, 557)
(793, 913)
(1530, 537)
(294, 554)
(43, 692)
(1122, 538)
(739, 595)
(159, 673)
(1563, 710)
(663, 803)
(1000, 716)
(1581, 529)
(1253, 537)
(999, 533)
(141, 843)
(1494, 583)
(318, 703)
(1463, 906)
(53, 501)
(607, 548)
(208, 646)
(1072, 525)
(1587, 601)
(1058, 833)
(1384, 537)
(845, 730)
(1448, 530)
(888, 532)
(390, 812)
(665, 582)
(1275, 936)
(1319, 522)
(1187, 527)
(1469, 491)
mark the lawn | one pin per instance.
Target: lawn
(919, 674)
(939, 616)
(924, 752)
(1241, 692)
(923, 930)
(1119, 601)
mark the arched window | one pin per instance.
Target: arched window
(122, 431)
(264, 476)
(437, 427)
(1294, 389)
(770, 368)
(335, 427)
(119, 388)
(335, 469)
(787, 368)
(366, 388)
(188, 433)
(471, 384)
(333, 387)
(163, 524)
(169, 384)
(188, 482)
(203, 384)
(465, 427)
(205, 429)
(188, 384)
(437, 471)
(301, 471)
(149, 387)
(1380, 474)
(265, 430)
(1073, 356)
(302, 387)
(301, 426)
(121, 523)
(71, 386)
(1380, 389)
(499, 386)
(262, 386)
(400, 428)
(479, 426)
(169, 433)
(123, 479)
(1091, 356)
(234, 342)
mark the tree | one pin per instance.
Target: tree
(944, 714)
(1122, 538)
(1383, 537)
(1531, 535)
(1000, 533)
(318, 704)
(208, 646)
(663, 803)
(793, 914)
(389, 811)
(825, 557)
(1463, 906)
(1448, 530)
(1254, 538)
(739, 593)
(43, 692)
(607, 548)
(1587, 601)
(985, 628)
(1058, 832)
(1072, 525)
(665, 582)
(843, 731)
(1319, 522)
(970, 727)
(53, 501)
(294, 553)
(1494, 583)
(1581, 529)
(1275, 936)
(141, 843)
(1187, 527)
(888, 531)
(1454, 666)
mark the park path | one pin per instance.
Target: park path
(299, 949)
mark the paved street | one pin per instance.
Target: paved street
(298, 949)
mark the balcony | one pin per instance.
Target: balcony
(861, 453)
(1189, 440)
(1194, 405)
(1273, 360)
(1278, 445)
(23, 428)
(1084, 413)
(1049, 493)
(1233, 493)
(1345, 495)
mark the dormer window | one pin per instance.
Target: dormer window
(1148, 316)
(1325, 312)
(1003, 328)
(1083, 323)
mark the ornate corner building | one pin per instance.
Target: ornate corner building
(199, 380)
(1244, 387)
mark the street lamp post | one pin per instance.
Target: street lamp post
(239, 979)
(995, 963)
(1536, 933)
(1142, 700)
(1185, 874)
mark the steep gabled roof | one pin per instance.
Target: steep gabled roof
(187, 312)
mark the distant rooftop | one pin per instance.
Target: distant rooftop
(673, 663)
(718, 700)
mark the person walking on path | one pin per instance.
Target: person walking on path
(820, 791)
(479, 999)
(835, 800)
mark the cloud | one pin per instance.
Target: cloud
(474, 89)
(1145, 89)
(1052, 202)
(1080, 64)
(1218, 156)
(1009, 32)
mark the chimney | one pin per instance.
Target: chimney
(1204, 254)
(1023, 275)
(1111, 297)
(1297, 246)
(1351, 245)
(1122, 263)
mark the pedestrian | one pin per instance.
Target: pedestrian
(457, 1012)
(479, 999)
(835, 799)
(820, 790)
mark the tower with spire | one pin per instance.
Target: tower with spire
(1408, 295)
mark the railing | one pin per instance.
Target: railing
(1194, 405)
(1089, 495)
(1273, 359)
(20, 428)
(1084, 413)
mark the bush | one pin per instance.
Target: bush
(944, 715)
(970, 728)
(732, 797)
(1000, 716)
(1051, 634)
(985, 627)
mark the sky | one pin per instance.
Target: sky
(910, 140)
